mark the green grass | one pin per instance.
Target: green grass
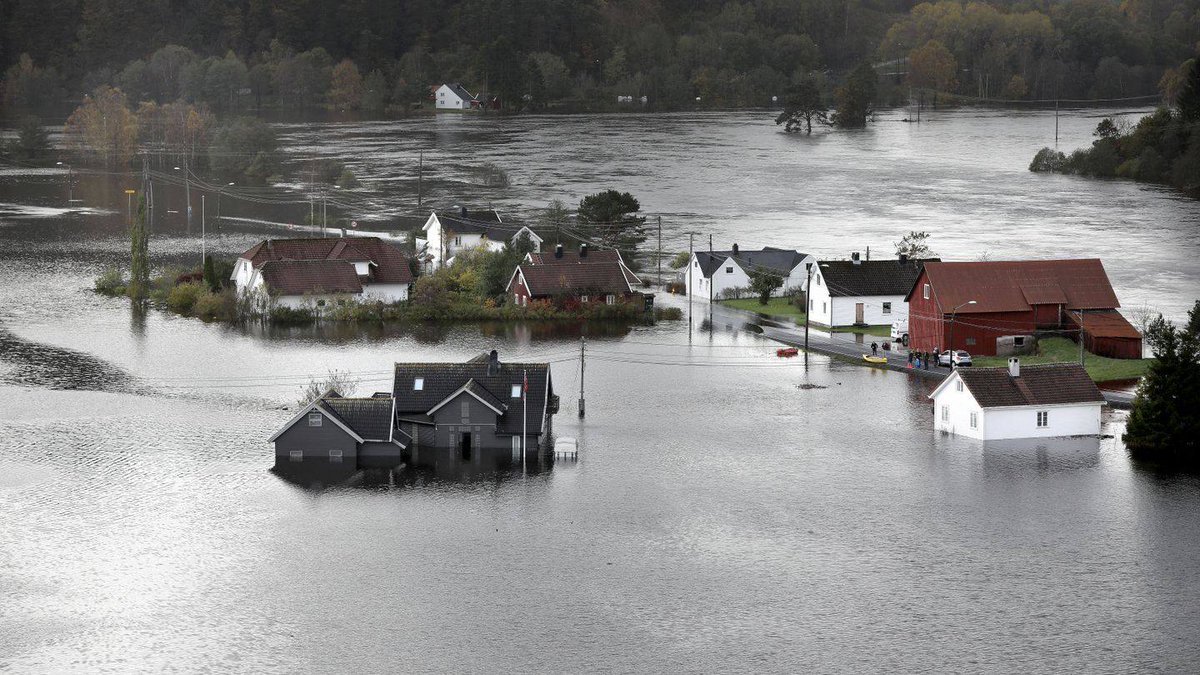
(878, 331)
(1059, 350)
(781, 307)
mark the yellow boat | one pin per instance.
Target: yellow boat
(874, 359)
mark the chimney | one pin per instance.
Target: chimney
(558, 251)
(868, 253)
(583, 250)
(493, 363)
(854, 258)
(735, 249)
(1014, 367)
(462, 211)
(904, 260)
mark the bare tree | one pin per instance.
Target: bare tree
(340, 382)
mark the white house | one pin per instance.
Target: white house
(718, 271)
(861, 292)
(314, 272)
(1057, 399)
(452, 96)
(447, 233)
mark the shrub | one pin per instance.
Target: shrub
(182, 298)
(111, 283)
(668, 313)
(1048, 159)
(212, 306)
(291, 315)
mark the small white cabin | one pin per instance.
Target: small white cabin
(452, 96)
(1041, 401)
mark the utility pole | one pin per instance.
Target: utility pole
(710, 284)
(324, 220)
(1056, 124)
(203, 234)
(807, 305)
(582, 356)
(187, 187)
(420, 170)
(1081, 311)
(660, 276)
(312, 214)
(692, 276)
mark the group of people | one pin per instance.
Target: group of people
(921, 359)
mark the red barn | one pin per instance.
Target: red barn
(968, 305)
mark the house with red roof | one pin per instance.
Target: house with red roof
(302, 272)
(583, 277)
(972, 305)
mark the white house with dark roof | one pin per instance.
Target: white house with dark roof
(300, 273)
(453, 96)
(449, 232)
(1037, 401)
(712, 273)
(860, 292)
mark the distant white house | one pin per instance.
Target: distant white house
(711, 273)
(860, 292)
(447, 233)
(453, 96)
(1040, 401)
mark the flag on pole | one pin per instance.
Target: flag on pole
(524, 413)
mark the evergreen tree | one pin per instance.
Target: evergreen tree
(1164, 426)
(1193, 324)
(210, 275)
(856, 98)
(610, 220)
(1188, 99)
(139, 257)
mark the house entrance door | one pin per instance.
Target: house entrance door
(858, 312)
(464, 446)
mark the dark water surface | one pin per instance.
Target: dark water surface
(729, 511)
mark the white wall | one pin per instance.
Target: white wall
(842, 311)
(722, 280)
(1082, 419)
(385, 292)
(448, 100)
(960, 405)
(243, 273)
(819, 302)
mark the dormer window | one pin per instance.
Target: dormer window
(418, 384)
(516, 391)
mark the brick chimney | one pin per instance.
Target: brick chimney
(735, 249)
(583, 250)
(854, 258)
(558, 251)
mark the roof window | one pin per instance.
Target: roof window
(516, 391)
(418, 384)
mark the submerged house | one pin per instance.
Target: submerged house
(449, 232)
(1041, 401)
(582, 277)
(710, 274)
(348, 432)
(300, 272)
(453, 96)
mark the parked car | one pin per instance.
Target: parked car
(900, 331)
(960, 357)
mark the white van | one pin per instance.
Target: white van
(900, 331)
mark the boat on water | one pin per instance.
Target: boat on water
(874, 359)
(787, 351)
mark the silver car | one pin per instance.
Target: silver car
(960, 357)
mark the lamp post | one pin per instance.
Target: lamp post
(70, 183)
(129, 205)
(953, 312)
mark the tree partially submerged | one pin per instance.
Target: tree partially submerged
(1164, 427)
(856, 98)
(139, 254)
(802, 106)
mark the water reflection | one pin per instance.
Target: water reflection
(521, 333)
(441, 465)
(1040, 456)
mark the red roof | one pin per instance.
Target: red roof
(572, 256)
(1018, 285)
(578, 278)
(1106, 324)
(391, 266)
(298, 277)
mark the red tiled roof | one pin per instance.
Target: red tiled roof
(298, 277)
(575, 278)
(1046, 384)
(572, 256)
(391, 266)
(1109, 324)
(1015, 286)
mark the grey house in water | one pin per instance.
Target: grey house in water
(467, 411)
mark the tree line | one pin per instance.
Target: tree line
(380, 56)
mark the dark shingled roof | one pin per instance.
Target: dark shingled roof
(370, 418)
(297, 277)
(391, 266)
(460, 91)
(780, 261)
(869, 277)
(479, 222)
(571, 255)
(443, 379)
(1017, 285)
(578, 277)
(1046, 384)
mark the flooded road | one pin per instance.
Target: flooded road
(729, 510)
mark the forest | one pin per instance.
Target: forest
(237, 56)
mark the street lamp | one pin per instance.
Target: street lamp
(953, 312)
(70, 183)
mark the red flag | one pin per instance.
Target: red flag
(525, 387)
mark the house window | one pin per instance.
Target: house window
(610, 299)
(925, 292)
(728, 270)
(296, 456)
(970, 342)
(418, 384)
(466, 410)
(818, 279)
(887, 308)
(945, 413)
(823, 307)
(958, 386)
(335, 456)
(314, 419)
(974, 420)
(583, 298)
(1018, 342)
(810, 304)
(458, 241)
(1043, 418)
(516, 391)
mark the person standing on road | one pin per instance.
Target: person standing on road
(874, 349)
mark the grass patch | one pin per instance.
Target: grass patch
(1060, 350)
(780, 307)
(877, 331)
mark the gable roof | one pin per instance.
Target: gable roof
(297, 277)
(779, 261)
(444, 379)
(1018, 285)
(1045, 384)
(316, 404)
(391, 265)
(577, 277)
(844, 278)
(571, 255)
(370, 418)
(486, 223)
(473, 388)
(459, 91)
(1107, 323)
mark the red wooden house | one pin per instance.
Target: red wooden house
(968, 305)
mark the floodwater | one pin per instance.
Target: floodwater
(729, 510)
